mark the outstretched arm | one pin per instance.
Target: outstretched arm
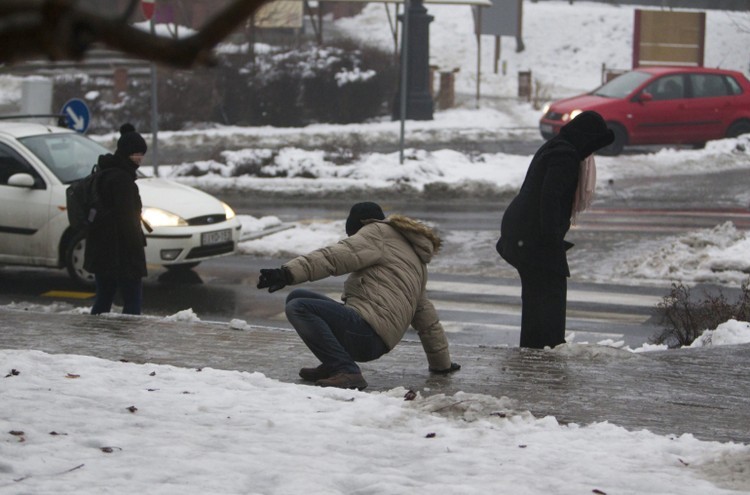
(431, 334)
(354, 253)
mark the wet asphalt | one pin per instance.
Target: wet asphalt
(704, 391)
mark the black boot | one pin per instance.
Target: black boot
(315, 374)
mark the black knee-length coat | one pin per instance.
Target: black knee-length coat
(532, 233)
(115, 244)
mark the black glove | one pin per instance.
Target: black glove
(453, 367)
(273, 278)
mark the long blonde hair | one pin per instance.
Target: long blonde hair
(586, 187)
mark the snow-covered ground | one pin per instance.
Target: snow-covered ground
(82, 425)
(73, 424)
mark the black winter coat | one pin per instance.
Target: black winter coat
(114, 244)
(536, 221)
(532, 234)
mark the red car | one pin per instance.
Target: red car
(662, 105)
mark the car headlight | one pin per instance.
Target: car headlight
(156, 217)
(545, 108)
(228, 211)
(570, 116)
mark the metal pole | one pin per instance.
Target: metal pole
(154, 114)
(404, 70)
(479, 53)
(497, 53)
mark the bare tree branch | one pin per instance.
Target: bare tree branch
(57, 30)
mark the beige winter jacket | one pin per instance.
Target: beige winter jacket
(388, 265)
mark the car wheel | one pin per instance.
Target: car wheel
(738, 128)
(74, 260)
(699, 146)
(621, 139)
(182, 266)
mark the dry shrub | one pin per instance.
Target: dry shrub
(687, 317)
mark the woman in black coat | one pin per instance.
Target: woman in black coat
(115, 243)
(532, 236)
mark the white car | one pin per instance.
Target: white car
(38, 162)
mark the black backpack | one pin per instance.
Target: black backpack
(83, 202)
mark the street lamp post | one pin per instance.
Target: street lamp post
(419, 103)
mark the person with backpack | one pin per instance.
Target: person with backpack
(559, 184)
(115, 240)
(384, 294)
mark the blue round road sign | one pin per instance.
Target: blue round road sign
(76, 114)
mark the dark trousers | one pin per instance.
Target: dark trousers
(543, 298)
(335, 333)
(131, 290)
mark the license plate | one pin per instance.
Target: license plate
(216, 237)
(546, 128)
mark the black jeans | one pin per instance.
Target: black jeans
(543, 297)
(335, 333)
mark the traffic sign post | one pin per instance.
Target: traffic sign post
(154, 109)
(76, 114)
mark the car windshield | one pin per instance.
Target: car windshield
(623, 85)
(69, 156)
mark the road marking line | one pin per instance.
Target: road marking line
(614, 298)
(69, 294)
(506, 310)
(574, 336)
(460, 326)
(730, 212)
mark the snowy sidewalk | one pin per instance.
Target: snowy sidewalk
(702, 391)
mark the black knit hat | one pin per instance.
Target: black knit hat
(362, 211)
(130, 142)
(126, 127)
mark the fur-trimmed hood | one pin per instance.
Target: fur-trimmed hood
(424, 239)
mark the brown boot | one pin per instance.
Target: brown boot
(344, 380)
(315, 374)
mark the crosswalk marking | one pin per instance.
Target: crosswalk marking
(599, 297)
(508, 335)
(663, 221)
(458, 326)
(601, 316)
(591, 315)
(740, 213)
(442, 303)
(580, 337)
(473, 307)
